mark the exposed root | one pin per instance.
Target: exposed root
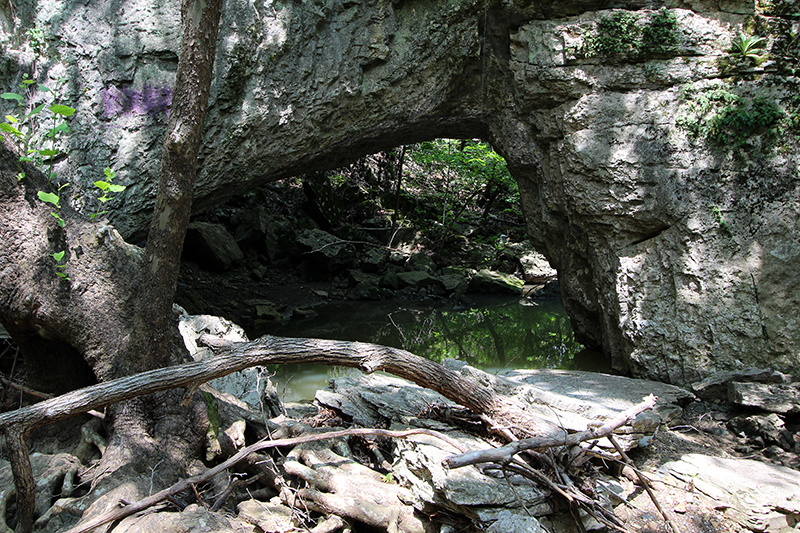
(341, 486)
(5, 495)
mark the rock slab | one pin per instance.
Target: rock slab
(759, 496)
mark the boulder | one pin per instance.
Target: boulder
(211, 246)
(324, 255)
(492, 282)
(773, 398)
(248, 385)
(420, 261)
(763, 431)
(715, 386)
(374, 259)
(417, 279)
(365, 286)
(272, 516)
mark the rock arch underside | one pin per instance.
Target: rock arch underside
(676, 255)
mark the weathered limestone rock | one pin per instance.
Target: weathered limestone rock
(716, 385)
(491, 282)
(417, 279)
(759, 496)
(250, 386)
(676, 254)
(193, 519)
(272, 516)
(326, 255)
(211, 246)
(778, 398)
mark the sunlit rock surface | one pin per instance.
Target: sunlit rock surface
(676, 256)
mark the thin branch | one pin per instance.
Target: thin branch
(504, 454)
(645, 483)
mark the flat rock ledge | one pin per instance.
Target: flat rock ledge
(570, 399)
(759, 496)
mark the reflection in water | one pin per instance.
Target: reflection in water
(495, 334)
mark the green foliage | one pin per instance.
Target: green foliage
(452, 173)
(737, 123)
(720, 219)
(729, 121)
(58, 257)
(624, 34)
(106, 187)
(36, 142)
(55, 199)
(617, 34)
(660, 35)
(746, 45)
(37, 41)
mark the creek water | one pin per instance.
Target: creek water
(494, 333)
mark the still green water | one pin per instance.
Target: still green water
(494, 334)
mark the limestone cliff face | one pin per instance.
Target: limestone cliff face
(658, 170)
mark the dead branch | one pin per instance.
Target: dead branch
(505, 453)
(644, 482)
(122, 512)
(263, 351)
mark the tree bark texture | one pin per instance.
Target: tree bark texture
(70, 332)
(263, 351)
(155, 326)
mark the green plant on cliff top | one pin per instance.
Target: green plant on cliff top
(624, 34)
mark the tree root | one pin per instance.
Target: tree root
(341, 486)
(127, 510)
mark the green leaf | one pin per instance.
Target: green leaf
(63, 110)
(11, 119)
(11, 96)
(102, 185)
(49, 198)
(28, 81)
(58, 256)
(104, 199)
(58, 218)
(61, 128)
(8, 128)
(35, 111)
(20, 176)
(49, 152)
(117, 188)
(110, 174)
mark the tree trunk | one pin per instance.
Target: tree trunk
(109, 317)
(154, 323)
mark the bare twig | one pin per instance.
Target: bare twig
(645, 483)
(23, 388)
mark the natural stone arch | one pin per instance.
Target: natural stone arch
(615, 193)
